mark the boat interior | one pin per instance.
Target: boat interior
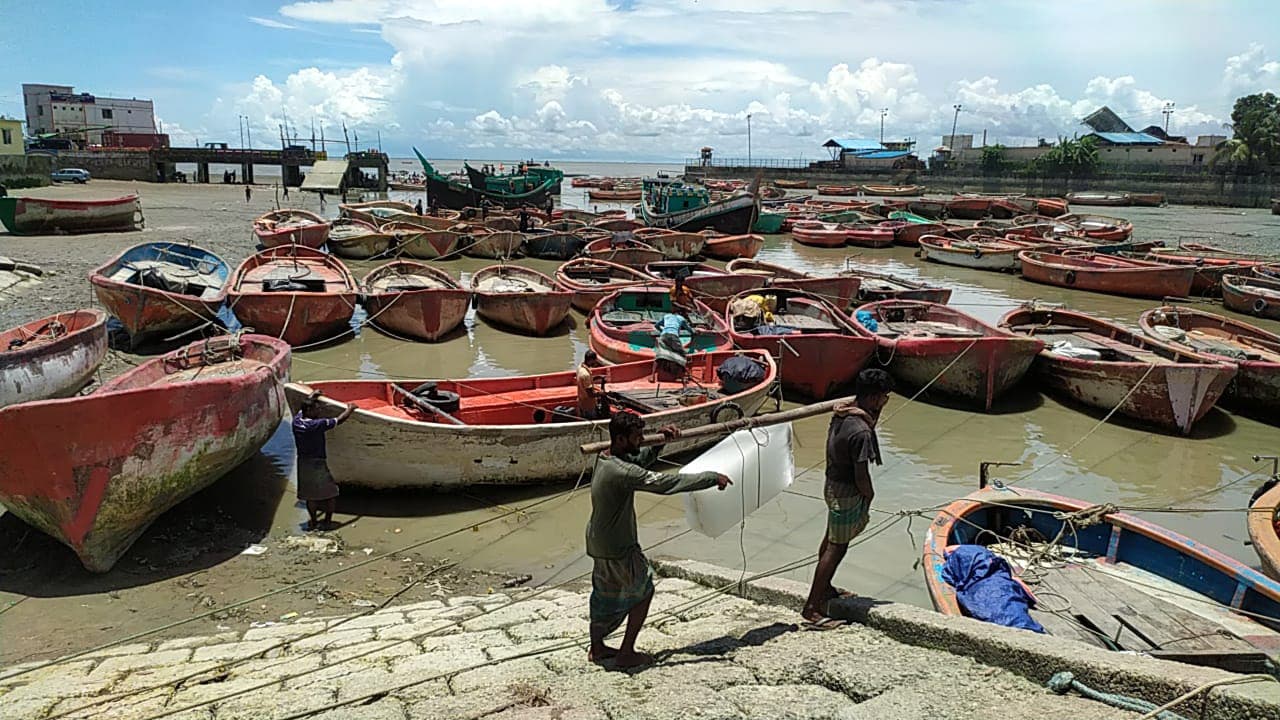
(32, 335)
(511, 283)
(791, 316)
(1119, 588)
(631, 308)
(1220, 341)
(921, 321)
(182, 275)
(392, 282)
(296, 276)
(1087, 343)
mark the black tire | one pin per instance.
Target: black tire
(1070, 277)
(715, 414)
(1259, 306)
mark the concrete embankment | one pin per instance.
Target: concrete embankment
(521, 655)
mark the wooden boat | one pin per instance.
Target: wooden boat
(520, 298)
(456, 195)
(52, 357)
(617, 195)
(444, 221)
(1098, 227)
(792, 184)
(161, 288)
(1267, 272)
(1258, 296)
(824, 351)
(1099, 199)
(838, 190)
(1263, 533)
(838, 290)
(673, 245)
(618, 224)
(553, 245)
(376, 212)
(969, 208)
(1104, 366)
(418, 242)
(510, 431)
(358, 240)
(46, 216)
(292, 292)
(768, 222)
(931, 209)
(1051, 207)
(623, 249)
(1106, 274)
(499, 245)
(289, 226)
(708, 283)
(978, 253)
(913, 227)
(1131, 586)
(874, 287)
(893, 190)
(414, 300)
(819, 234)
(927, 345)
(729, 247)
(1153, 199)
(866, 235)
(1255, 352)
(624, 326)
(502, 222)
(591, 280)
(1209, 270)
(143, 442)
(675, 206)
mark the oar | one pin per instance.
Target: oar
(7, 264)
(424, 405)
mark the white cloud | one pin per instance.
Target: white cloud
(1251, 72)
(268, 22)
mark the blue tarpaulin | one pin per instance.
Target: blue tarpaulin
(986, 589)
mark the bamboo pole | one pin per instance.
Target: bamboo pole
(776, 418)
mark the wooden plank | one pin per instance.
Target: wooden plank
(1069, 582)
(1143, 615)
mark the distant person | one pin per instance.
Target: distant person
(316, 486)
(589, 398)
(418, 206)
(525, 222)
(852, 446)
(248, 193)
(621, 580)
(434, 205)
(321, 202)
(286, 191)
(484, 208)
(551, 206)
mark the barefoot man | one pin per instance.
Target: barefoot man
(622, 583)
(851, 448)
(316, 486)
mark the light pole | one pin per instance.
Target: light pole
(883, 112)
(240, 124)
(1168, 110)
(954, 119)
(748, 139)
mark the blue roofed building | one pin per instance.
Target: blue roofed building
(864, 154)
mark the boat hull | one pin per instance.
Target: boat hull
(312, 236)
(1262, 532)
(427, 315)
(164, 442)
(55, 369)
(717, 290)
(500, 245)
(297, 318)
(1158, 284)
(1241, 294)
(975, 258)
(733, 216)
(428, 244)
(554, 246)
(361, 247)
(979, 374)
(148, 314)
(816, 367)
(37, 216)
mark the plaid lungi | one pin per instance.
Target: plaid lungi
(315, 482)
(617, 586)
(847, 512)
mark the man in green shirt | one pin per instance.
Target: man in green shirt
(622, 582)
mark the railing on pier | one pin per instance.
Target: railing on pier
(782, 163)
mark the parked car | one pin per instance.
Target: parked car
(70, 175)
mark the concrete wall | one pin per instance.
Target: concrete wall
(33, 169)
(110, 165)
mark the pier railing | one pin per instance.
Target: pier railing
(782, 163)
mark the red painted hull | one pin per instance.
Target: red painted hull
(819, 237)
(909, 234)
(1151, 281)
(673, 245)
(537, 311)
(499, 245)
(39, 216)
(840, 290)
(417, 242)
(297, 317)
(143, 443)
(1258, 296)
(969, 208)
(733, 246)
(572, 276)
(427, 314)
(270, 234)
(52, 357)
(872, 236)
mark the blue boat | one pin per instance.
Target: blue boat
(158, 290)
(1112, 580)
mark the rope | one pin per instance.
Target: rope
(1061, 682)
(1157, 712)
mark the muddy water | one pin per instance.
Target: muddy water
(931, 455)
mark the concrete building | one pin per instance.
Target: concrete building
(59, 109)
(860, 154)
(11, 137)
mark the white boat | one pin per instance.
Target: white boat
(977, 253)
(52, 357)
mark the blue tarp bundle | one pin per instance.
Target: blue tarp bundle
(986, 589)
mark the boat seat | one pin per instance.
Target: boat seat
(804, 323)
(1113, 347)
(293, 285)
(926, 328)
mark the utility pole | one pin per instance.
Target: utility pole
(954, 119)
(748, 139)
(1168, 110)
(248, 133)
(883, 112)
(240, 127)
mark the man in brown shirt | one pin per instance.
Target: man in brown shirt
(852, 446)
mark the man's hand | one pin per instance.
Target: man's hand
(669, 432)
(723, 481)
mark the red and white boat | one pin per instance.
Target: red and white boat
(673, 244)
(520, 298)
(977, 253)
(867, 235)
(414, 300)
(292, 292)
(291, 226)
(819, 234)
(46, 216)
(1104, 366)
(143, 442)
(623, 251)
(493, 244)
(839, 290)
(729, 247)
(708, 283)
(357, 239)
(927, 345)
(592, 280)
(1108, 274)
(52, 357)
(624, 326)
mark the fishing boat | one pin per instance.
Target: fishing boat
(502, 222)
(791, 184)
(45, 216)
(1255, 352)
(769, 222)
(524, 177)
(292, 292)
(618, 224)
(414, 300)
(867, 235)
(893, 190)
(455, 434)
(1259, 296)
(927, 345)
(1263, 533)
(376, 212)
(968, 207)
(623, 249)
(624, 326)
(876, 286)
(838, 190)
(358, 240)
(290, 226)
(616, 195)
(143, 442)
(728, 247)
(591, 280)
(1131, 586)
(1098, 227)
(1102, 365)
(673, 205)
(1100, 199)
(553, 245)
(1209, 270)
(673, 245)
(456, 195)
(1152, 199)
(708, 283)
(839, 290)
(158, 289)
(1267, 272)
(52, 357)
(912, 228)
(416, 241)
(819, 234)
(821, 351)
(978, 253)
(495, 245)
(520, 298)
(444, 221)
(1108, 274)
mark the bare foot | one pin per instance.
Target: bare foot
(632, 659)
(812, 614)
(604, 652)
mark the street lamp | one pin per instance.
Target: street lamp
(883, 112)
(748, 139)
(1168, 110)
(953, 128)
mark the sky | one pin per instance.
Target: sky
(652, 80)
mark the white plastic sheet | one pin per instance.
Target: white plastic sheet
(759, 463)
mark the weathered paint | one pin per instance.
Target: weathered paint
(993, 255)
(675, 245)
(298, 318)
(499, 245)
(733, 246)
(52, 369)
(36, 216)
(1261, 518)
(312, 235)
(1154, 281)
(95, 471)
(1258, 296)
(537, 310)
(587, 293)
(361, 247)
(146, 311)
(839, 290)
(427, 314)
(416, 242)
(635, 342)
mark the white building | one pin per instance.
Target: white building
(58, 108)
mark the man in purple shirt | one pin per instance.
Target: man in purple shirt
(316, 486)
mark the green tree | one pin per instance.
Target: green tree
(1070, 157)
(1255, 141)
(992, 160)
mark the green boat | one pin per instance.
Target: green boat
(908, 217)
(768, 223)
(455, 195)
(525, 178)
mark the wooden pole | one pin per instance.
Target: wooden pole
(724, 428)
(423, 404)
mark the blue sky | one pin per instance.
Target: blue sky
(653, 79)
